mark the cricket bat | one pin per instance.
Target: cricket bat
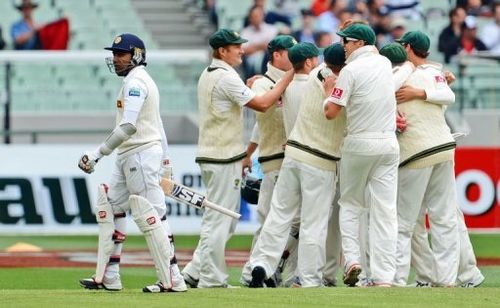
(186, 195)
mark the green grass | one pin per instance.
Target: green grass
(58, 287)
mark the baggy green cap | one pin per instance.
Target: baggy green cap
(281, 42)
(417, 40)
(224, 37)
(394, 52)
(302, 51)
(360, 32)
(334, 54)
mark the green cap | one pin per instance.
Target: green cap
(224, 37)
(360, 32)
(394, 52)
(334, 54)
(281, 42)
(416, 39)
(302, 51)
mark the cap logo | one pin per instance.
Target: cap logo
(294, 42)
(117, 40)
(236, 34)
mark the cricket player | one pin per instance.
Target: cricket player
(142, 147)
(271, 132)
(469, 274)
(370, 155)
(221, 96)
(426, 169)
(305, 184)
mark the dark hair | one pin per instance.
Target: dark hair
(299, 65)
(454, 10)
(420, 53)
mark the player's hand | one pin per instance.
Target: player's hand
(450, 77)
(407, 93)
(329, 83)
(252, 79)
(246, 165)
(166, 170)
(401, 122)
(87, 162)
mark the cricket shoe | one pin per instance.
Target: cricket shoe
(474, 283)
(422, 284)
(258, 277)
(159, 288)
(351, 275)
(113, 284)
(190, 281)
(330, 283)
(178, 283)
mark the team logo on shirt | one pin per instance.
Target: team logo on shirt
(439, 78)
(337, 93)
(119, 104)
(134, 92)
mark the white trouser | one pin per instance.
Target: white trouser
(333, 242)
(368, 175)
(308, 187)
(433, 187)
(422, 254)
(136, 174)
(263, 205)
(223, 188)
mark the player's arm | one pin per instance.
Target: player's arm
(403, 72)
(333, 104)
(251, 147)
(134, 94)
(441, 94)
(263, 102)
(166, 170)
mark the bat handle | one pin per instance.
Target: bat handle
(221, 209)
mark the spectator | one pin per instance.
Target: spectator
(404, 8)
(490, 34)
(449, 39)
(376, 11)
(475, 7)
(469, 42)
(329, 21)
(24, 32)
(259, 34)
(209, 7)
(382, 30)
(270, 17)
(396, 30)
(2, 42)
(318, 7)
(306, 33)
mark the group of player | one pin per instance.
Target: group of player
(355, 153)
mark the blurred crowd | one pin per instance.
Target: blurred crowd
(318, 24)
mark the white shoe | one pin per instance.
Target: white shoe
(110, 284)
(178, 284)
(476, 282)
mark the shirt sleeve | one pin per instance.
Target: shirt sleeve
(235, 90)
(135, 92)
(341, 93)
(400, 76)
(441, 94)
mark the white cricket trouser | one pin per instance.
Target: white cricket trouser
(433, 187)
(422, 253)
(333, 241)
(136, 174)
(368, 174)
(299, 186)
(263, 205)
(223, 188)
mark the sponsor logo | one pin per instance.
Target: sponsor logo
(102, 214)
(151, 220)
(184, 194)
(236, 183)
(119, 104)
(337, 93)
(117, 40)
(134, 92)
(439, 79)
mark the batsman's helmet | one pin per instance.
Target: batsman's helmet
(129, 43)
(250, 189)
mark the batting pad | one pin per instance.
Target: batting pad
(105, 221)
(148, 221)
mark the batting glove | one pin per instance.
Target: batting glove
(166, 170)
(87, 162)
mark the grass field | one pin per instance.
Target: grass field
(58, 287)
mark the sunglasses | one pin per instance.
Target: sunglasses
(345, 40)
